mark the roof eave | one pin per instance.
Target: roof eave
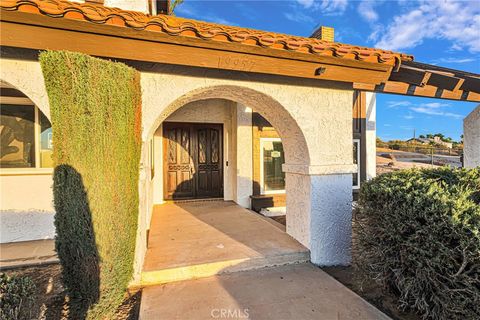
(34, 31)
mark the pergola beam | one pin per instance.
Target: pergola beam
(423, 80)
(471, 84)
(429, 91)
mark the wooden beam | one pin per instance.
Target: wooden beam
(409, 75)
(395, 87)
(402, 88)
(125, 32)
(471, 84)
(473, 96)
(426, 78)
(15, 100)
(448, 82)
(364, 86)
(35, 37)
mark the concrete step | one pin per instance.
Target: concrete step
(202, 239)
(208, 269)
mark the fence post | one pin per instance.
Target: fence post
(431, 153)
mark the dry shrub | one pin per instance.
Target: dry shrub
(419, 235)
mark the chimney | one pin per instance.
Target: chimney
(324, 33)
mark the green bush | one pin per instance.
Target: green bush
(16, 297)
(418, 233)
(96, 121)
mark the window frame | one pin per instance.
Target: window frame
(262, 178)
(357, 186)
(36, 135)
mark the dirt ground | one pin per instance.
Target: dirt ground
(52, 302)
(368, 290)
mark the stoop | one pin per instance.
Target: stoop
(201, 239)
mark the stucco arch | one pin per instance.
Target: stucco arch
(27, 77)
(293, 139)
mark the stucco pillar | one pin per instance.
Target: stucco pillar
(471, 137)
(244, 158)
(319, 211)
(371, 135)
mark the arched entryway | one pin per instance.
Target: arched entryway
(313, 171)
(228, 111)
(203, 149)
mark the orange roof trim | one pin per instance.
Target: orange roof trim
(175, 26)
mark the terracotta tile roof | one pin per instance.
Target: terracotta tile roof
(176, 26)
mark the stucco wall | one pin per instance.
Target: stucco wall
(26, 192)
(26, 207)
(27, 77)
(371, 135)
(133, 5)
(471, 139)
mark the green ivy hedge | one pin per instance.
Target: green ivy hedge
(95, 111)
(418, 232)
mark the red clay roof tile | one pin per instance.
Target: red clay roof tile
(175, 26)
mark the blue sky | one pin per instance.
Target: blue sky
(440, 32)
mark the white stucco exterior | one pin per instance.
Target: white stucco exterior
(313, 121)
(316, 129)
(471, 139)
(26, 211)
(371, 135)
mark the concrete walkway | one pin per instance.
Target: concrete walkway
(201, 239)
(300, 291)
(27, 253)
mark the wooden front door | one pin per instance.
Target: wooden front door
(193, 160)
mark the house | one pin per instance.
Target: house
(419, 140)
(471, 140)
(254, 117)
(436, 140)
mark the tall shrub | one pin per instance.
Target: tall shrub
(96, 121)
(418, 232)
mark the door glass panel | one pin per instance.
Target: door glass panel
(17, 130)
(172, 147)
(273, 158)
(202, 146)
(185, 146)
(214, 145)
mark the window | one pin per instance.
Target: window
(356, 160)
(26, 137)
(272, 157)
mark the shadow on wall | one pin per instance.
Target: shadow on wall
(75, 242)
